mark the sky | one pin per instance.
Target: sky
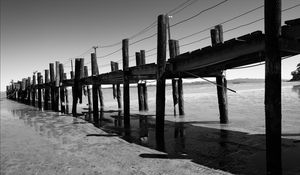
(35, 33)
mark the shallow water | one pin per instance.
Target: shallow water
(237, 147)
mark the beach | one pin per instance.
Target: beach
(45, 142)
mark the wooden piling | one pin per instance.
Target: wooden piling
(95, 88)
(47, 91)
(161, 82)
(172, 53)
(144, 85)
(86, 74)
(273, 86)
(33, 89)
(62, 89)
(56, 87)
(126, 92)
(180, 84)
(116, 87)
(77, 93)
(139, 85)
(28, 90)
(39, 90)
(216, 38)
(66, 95)
(51, 68)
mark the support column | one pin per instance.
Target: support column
(161, 82)
(273, 86)
(47, 97)
(216, 38)
(126, 96)
(95, 88)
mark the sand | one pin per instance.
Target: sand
(39, 142)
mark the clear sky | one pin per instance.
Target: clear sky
(37, 32)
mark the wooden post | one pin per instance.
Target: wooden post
(161, 82)
(95, 88)
(47, 97)
(144, 86)
(51, 68)
(126, 96)
(172, 52)
(179, 84)
(28, 90)
(67, 95)
(112, 66)
(273, 86)
(139, 85)
(33, 89)
(86, 74)
(62, 89)
(56, 88)
(116, 87)
(216, 38)
(39, 90)
(77, 93)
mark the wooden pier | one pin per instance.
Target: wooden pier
(211, 61)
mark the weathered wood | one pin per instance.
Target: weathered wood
(116, 87)
(180, 84)
(77, 93)
(172, 53)
(39, 90)
(126, 92)
(33, 89)
(139, 86)
(217, 38)
(62, 89)
(161, 82)
(144, 85)
(66, 95)
(273, 86)
(56, 87)
(28, 90)
(47, 92)
(51, 68)
(95, 88)
(112, 66)
(86, 74)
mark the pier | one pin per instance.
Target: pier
(50, 93)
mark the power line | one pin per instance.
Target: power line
(170, 13)
(231, 19)
(199, 13)
(240, 26)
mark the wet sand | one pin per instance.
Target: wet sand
(39, 142)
